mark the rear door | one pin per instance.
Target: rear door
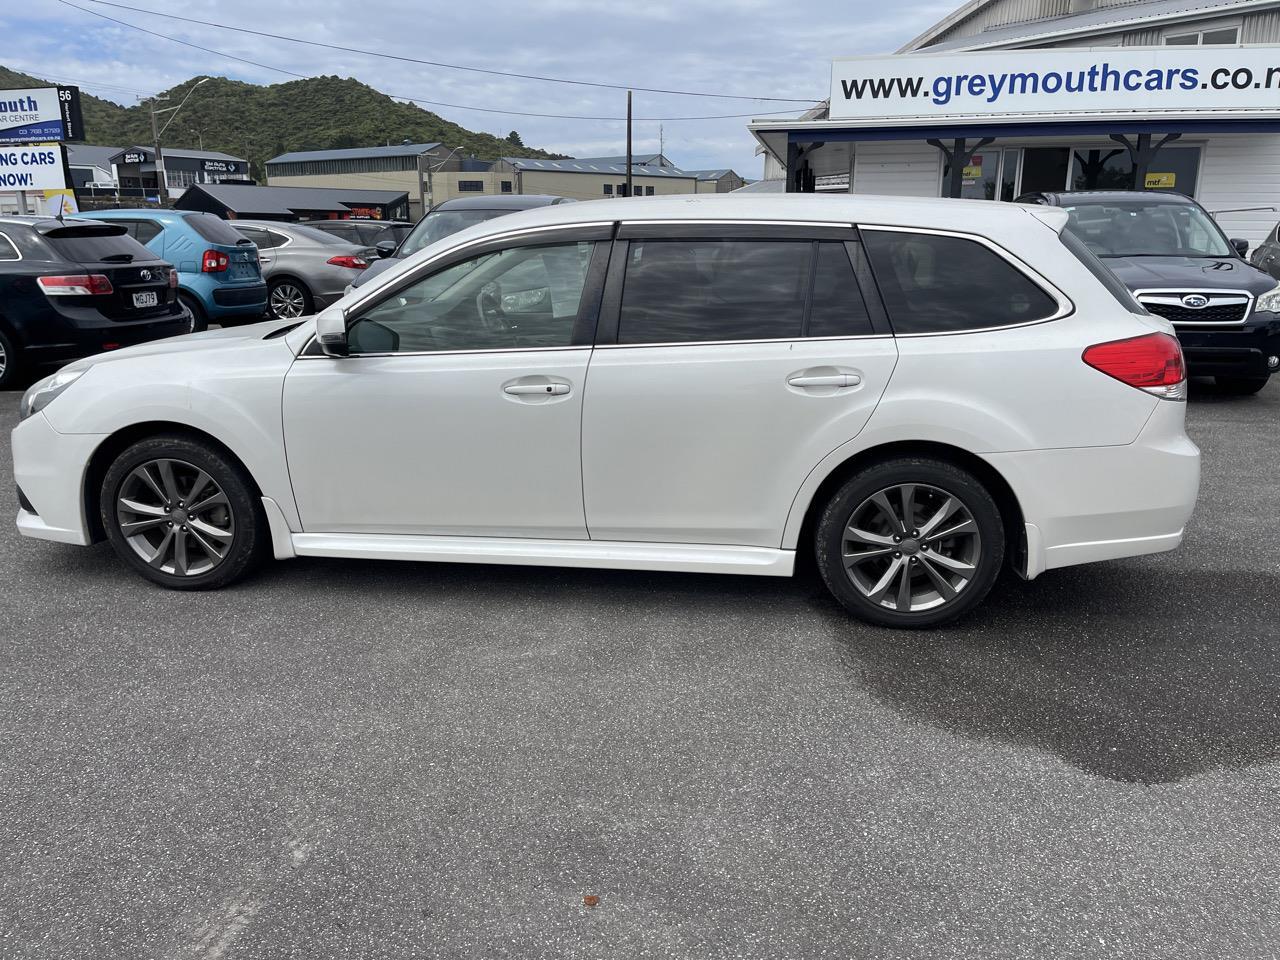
(732, 358)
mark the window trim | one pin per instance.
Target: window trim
(1065, 305)
(12, 246)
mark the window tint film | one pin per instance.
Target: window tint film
(688, 291)
(510, 299)
(146, 230)
(934, 284)
(213, 229)
(838, 309)
(95, 245)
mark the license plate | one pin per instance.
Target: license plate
(148, 298)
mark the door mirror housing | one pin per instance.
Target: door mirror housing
(386, 248)
(331, 332)
(1241, 245)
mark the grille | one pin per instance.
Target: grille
(1214, 313)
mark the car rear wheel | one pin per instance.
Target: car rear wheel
(1241, 386)
(912, 542)
(9, 361)
(288, 300)
(183, 514)
(199, 319)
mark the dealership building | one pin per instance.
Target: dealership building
(1005, 97)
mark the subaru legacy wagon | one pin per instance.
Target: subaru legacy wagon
(918, 392)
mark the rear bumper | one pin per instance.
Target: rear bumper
(1100, 503)
(238, 299)
(67, 342)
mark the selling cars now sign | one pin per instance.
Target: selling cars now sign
(36, 167)
(1171, 79)
(40, 114)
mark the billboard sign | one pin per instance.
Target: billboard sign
(40, 114)
(32, 168)
(1168, 80)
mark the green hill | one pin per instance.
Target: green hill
(260, 122)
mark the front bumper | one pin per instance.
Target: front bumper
(49, 468)
(1100, 503)
(1241, 351)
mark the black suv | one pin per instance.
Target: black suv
(1179, 264)
(71, 288)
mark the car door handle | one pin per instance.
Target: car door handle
(264, 259)
(536, 389)
(825, 380)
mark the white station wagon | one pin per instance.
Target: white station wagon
(918, 391)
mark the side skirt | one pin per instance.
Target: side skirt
(690, 558)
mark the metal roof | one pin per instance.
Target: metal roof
(648, 159)
(288, 201)
(356, 153)
(712, 174)
(83, 155)
(175, 152)
(763, 186)
(1101, 20)
(599, 165)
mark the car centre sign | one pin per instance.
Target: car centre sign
(41, 114)
(1170, 80)
(32, 168)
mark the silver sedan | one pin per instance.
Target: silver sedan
(305, 269)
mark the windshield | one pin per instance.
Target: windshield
(1147, 229)
(440, 223)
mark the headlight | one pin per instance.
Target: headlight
(44, 392)
(1269, 301)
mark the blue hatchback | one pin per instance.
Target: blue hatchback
(219, 277)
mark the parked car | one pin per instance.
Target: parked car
(305, 269)
(364, 233)
(219, 278)
(448, 218)
(70, 288)
(949, 389)
(1179, 264)
(1266, 255)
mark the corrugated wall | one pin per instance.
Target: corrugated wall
(1261, 27)
(1007, 11)
(905, 168)
(1141, 38)
(1242, 170)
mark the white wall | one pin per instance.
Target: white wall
(1242, 170)
(897, 168)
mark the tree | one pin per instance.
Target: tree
(513, 138)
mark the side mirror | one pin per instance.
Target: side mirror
(386, 248)
(331, 332)
(1242, 246)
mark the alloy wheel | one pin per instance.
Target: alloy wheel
(4, 359)
(175, 517)
(911, 547)
(288, 301)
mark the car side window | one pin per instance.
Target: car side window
(518, 298)
(257, 235)
(946, 284)
(8, 251)
(144, 231)
(273, 239)
(690, 291)
(837, 307)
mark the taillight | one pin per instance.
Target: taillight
(214, 261)
(75, 285)
(173, 279)
(355, 263)
(1152, 363)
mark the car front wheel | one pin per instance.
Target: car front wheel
(182, 513)
(911, 542)
(8, 361)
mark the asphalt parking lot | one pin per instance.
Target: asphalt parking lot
(355, 759)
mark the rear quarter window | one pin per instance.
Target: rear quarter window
(934, 283)
(213, 229)
(1102, 272)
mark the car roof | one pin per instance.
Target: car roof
(150, 212)
(43, 224)
(506, 201)
(1063, 197)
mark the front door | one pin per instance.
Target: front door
(459, 410)
(736, 365)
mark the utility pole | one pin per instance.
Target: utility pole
(629, 191)
(155, 145)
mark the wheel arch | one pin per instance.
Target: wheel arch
(116, 443)
(1007, 501)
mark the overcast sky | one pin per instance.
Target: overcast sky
(748, 47)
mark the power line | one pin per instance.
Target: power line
(419, 100)
(436, 63)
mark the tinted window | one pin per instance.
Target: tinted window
(685, 291)
(213, 229)
(1102, 272)
(7, 250)
(510, 299)
(934, 284)
(146, 230)
(257, 235)
(838, 309)
(93, 245)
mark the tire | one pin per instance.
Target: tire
(200, 319)
(292, 295)
(937, 593)
(10, 361)
(215, 546)
(1240, 386)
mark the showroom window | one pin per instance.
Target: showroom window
(944, 284)
(519, 298)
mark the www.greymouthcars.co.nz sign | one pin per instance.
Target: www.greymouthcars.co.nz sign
(40, 115)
